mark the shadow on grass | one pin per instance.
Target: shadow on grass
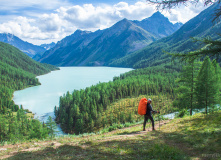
(197, 136)
(151, 145)
(138, 148)
(128, 133)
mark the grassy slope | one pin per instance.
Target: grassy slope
(129, 105)
(196, 137)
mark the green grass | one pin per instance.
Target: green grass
(196, 137)
(201, 132)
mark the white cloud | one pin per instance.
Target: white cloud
(49, 23)
(16, 5)
(92, 18)
(66, 19)
(184, 13)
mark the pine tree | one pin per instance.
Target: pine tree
(212, 48)
(218, 79)
(186, 90)
(206, 90)
(51, 126)
(79, 126)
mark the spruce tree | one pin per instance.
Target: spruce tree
(218, 79)
(187, 82)
(79, 126)
(51, 126)
(206, 90)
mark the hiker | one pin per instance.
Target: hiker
(148, 115)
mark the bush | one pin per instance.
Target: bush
(182, 113)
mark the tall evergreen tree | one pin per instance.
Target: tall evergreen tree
(206, 90)
(186, 90)
(51, 126)
(218, 79)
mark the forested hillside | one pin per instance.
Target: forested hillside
(106, 104)
(154, 54)
(18, 71)
(93, 108)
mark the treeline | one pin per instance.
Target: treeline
(85, 110)
(90, 109)
(199, 85)
(18, 126)
(17, 71)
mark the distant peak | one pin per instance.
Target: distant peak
(178, 23)
(124, 20)
(80, 32)
(8, 34)
(157, 15)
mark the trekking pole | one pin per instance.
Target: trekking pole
(159, 121)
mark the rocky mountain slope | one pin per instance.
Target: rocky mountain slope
(180, 41)
(104, 46)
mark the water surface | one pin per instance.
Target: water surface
(42, 99)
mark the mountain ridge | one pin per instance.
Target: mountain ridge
(179, 41)
(165, 28)
(101, 47)
(30, 49)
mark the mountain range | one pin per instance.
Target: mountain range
(46, 47)
(180, 41)
(28, 48)
(127, 43)
(102, 47)
(158, 25)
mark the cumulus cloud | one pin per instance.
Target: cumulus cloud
(184, 13)
(66, 19)
(92, 18)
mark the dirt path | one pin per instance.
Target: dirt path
(11, 150)
(121, 135)
(148, 129)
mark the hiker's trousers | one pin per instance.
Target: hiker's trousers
(146, 117)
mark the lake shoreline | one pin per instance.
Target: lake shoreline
(56, 84)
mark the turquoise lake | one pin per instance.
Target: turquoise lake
(42, 99)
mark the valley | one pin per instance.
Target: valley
(90, 83)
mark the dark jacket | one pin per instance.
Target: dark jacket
(149, 109)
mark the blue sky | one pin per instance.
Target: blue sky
(45, 21)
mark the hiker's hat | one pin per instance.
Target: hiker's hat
(149, 100)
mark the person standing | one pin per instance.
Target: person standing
(148, 115)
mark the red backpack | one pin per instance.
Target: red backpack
(142, 107)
